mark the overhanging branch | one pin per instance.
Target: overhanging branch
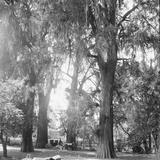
(127, 14)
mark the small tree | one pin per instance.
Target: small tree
(10, 116)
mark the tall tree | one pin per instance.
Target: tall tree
(110, 33)
(106, 47)
(27, 24)
(44, 90)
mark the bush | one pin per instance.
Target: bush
(15, 141)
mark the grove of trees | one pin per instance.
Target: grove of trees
(110, 50)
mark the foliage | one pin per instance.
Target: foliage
(11, 117)
(136, 102)
(84, 116)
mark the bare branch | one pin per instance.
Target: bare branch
(150, 24)
(85, 76)
(124, 130)
(127, 14)
(66, 74)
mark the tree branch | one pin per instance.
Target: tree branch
(149, 24)
(127, 14)
(66, 74)
(85, 76)
(123, 129)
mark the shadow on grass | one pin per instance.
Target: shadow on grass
(130, 156)
(70, 155)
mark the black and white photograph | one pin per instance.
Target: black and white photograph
(79, 79)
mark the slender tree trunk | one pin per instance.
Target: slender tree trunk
(27, 145)
(90, 143)
(156, 137)
(4, 144)
(145, 146)
(150, 143)
(72, 125)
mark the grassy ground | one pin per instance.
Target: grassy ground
(15, 153)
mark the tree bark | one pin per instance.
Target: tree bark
(44, 98)
(27, 144)
(42, 129)
(4, 144)
(150, 143)
(106, 146)
(107, 60)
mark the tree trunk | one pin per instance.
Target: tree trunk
(42, 129)
(106, 147)
(27, 145)
(145, 146)
(4, 144)
(71, 130)
(107, 69)
(156, 140)
(107, 60)
(44, 98)
(71, 112)
(150, 143)
(71, 136)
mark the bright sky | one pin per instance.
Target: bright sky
(58, 100)
(58, 97)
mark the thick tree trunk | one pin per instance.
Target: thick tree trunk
(44, 98)
(107, 60)
(106, 147)
(42, 129)
(107, 69)
(27, 144)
